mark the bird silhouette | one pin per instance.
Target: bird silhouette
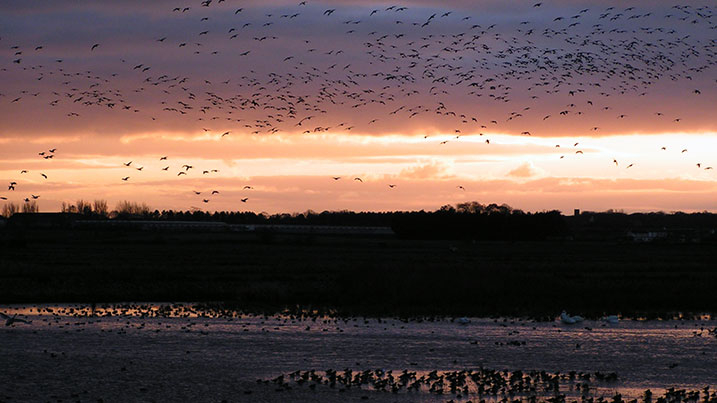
(9, 320)
(397, 69)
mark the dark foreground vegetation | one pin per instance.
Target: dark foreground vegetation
(359, 276)
(469, 259)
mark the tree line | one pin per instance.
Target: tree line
(469, 220)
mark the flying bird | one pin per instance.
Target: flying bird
(9, 320)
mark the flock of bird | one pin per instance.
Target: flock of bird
(485, 384)
(481, 383)
(443, 69)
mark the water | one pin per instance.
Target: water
(72, 353)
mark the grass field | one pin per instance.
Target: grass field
(358, 276)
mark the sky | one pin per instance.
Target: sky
(288, 106)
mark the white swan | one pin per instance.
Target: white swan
(612, 319)
(570, 320)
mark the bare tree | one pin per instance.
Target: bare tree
(30, 207)
(100, 207)
(9, 209)
(84, 207)
(132, 208)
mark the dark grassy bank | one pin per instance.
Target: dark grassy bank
(380, 276)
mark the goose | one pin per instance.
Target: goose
(9, 320)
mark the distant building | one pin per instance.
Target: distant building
(144, 225)
(42, 220)
(576, 212)
(647, 236)
(209, 226)
(312, 229)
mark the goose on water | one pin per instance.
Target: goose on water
(9, 320)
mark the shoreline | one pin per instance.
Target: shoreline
(166, 309)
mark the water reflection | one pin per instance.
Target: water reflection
(170, 341)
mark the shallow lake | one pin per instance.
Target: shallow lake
(144, 353)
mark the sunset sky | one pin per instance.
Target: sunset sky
(541, 105)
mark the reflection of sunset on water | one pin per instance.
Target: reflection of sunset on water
(595, 359)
